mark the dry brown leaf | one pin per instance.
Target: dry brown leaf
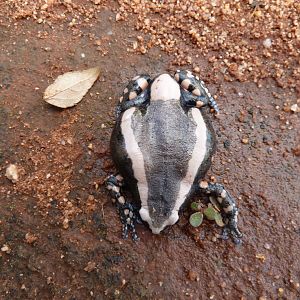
(69, 88)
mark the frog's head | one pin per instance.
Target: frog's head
(158, 218)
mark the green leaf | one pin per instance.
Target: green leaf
(196, 219)
(194, 206)
(219, 220)
(210, 213)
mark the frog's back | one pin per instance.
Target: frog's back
(165, 148)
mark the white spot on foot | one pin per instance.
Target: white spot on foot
(203, 184)
(223, 194)
(196, 92)
(142, 83)
(121, 200)
(228, 208)
(199, 104)
(185, 83)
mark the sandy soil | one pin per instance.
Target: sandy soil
(60, 235)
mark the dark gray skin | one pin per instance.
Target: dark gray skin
(170, 142)
(165, 134)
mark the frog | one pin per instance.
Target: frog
(162, 145)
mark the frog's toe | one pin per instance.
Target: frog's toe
(233, 233)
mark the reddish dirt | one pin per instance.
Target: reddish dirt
(59, 232)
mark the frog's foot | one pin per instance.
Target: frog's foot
(228, 207)
(127, 212)
(129, 218)
(135, 93)
(196, 93)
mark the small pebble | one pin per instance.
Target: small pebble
(197, 70)
(295, 108)
(118, 17)
(90, 266)
(226, 144)
(30, 238)
(5, 248)
(192, 275)
(245, 141)
(267, 43)
(296, 150)
(66, 223)
(261, 257)
(267, 246)
(12, 173)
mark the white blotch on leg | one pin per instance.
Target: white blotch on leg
(196, 92)
(142, 83)
(185, 83)
(132, 95)
(228, 208)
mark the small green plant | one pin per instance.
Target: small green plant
(196, 219)
(209, 212)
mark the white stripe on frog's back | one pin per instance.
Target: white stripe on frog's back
(165, 88)
(196, 160)
(135, 154)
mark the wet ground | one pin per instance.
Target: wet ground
(60, 235)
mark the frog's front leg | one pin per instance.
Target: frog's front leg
(127, 212)
(135, 93)
(194, 92)
(228, 208)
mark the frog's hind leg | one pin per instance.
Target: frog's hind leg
(128, 213)
(135, 93)
(195, 93)
(228, 208)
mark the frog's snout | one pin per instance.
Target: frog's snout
(157, 227)
(156, 230)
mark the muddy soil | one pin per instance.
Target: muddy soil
(60, 235)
